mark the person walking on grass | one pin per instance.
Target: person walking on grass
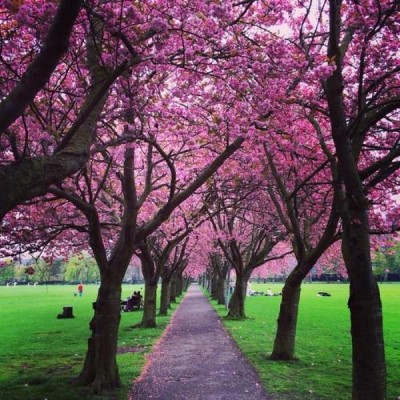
(80, 289)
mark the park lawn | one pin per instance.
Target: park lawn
(323, 345)
(40, 355)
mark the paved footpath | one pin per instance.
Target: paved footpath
(197, 360)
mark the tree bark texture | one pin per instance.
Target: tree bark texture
(186, 284)
(149, 308)
(100, 369)
(284, 344)
(165, 296)
(221, 290)
(172, 290)
(236, 303)
(179, 285)
(214, 284)
(369, 366)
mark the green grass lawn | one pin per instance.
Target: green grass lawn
(40, 354)
(323, 344)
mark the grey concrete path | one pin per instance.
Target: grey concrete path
(197, 360)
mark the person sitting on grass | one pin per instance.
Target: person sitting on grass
(140, 297)
(271, 293)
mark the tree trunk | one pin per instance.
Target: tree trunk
(285, 338)
(100, 369)
(149, 308)
(165, 297)
(172, 296)
(236, 303)
(179, 285)
(221, 290)
(369, 366)
(222, 282)
(214, 284)
(208, 281)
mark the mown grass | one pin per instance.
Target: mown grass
(323, 345)
(41, 355)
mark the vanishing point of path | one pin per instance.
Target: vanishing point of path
(197, 360)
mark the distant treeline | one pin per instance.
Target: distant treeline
(79, 268)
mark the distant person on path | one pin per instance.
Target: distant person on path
(80, 289)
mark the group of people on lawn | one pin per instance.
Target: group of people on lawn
(250, 292)
(135, 301)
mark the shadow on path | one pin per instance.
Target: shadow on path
(196, 359)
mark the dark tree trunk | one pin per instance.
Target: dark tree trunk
(172, 296)
(369, 366)
(179, 285)
(151, 275)
(208, 281)
(221, 290)
(222, 281)
(214, 284)
(285, 338)
(236, 303)
(165, 297)
(100, 369)
(149, 307)
(186, 284)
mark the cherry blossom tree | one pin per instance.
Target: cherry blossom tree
(247, 234)
(375, 101)
(139, 104)
(354, 98)
(42, 145)
(20, 87)
(303, 199)
(118, 222)
(170, 246)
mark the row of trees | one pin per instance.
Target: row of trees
(79, 268)
(237, 135)
(83, 268)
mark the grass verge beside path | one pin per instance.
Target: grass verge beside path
(323, 345)
(40, 354)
